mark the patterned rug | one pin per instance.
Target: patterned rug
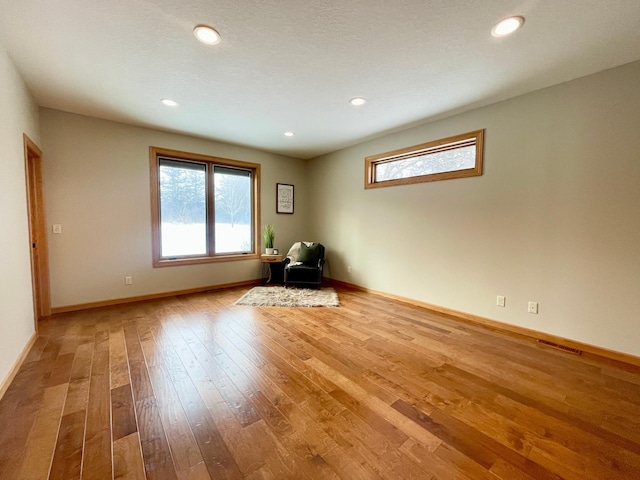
(289, 297)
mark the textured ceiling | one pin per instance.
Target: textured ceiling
(293, 65)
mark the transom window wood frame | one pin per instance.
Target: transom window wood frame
(471, 139)
(155, 155)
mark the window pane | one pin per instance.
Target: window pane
(233, 210)
(439, 162)
(183, 211)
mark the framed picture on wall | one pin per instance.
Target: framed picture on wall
(284, 198)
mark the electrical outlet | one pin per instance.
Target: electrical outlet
(349, 269)
(533, 307)
(128, 280)
(57, 228)
(501, 300)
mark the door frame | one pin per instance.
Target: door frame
(37, 231)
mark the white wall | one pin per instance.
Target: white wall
(97, 187)
(554, 219)
(18, 115)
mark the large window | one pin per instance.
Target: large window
(203, 209)
(453, 157)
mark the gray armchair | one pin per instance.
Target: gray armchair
(304, 265)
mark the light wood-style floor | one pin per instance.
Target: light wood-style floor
(195, 387)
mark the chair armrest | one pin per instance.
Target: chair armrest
(286, 261)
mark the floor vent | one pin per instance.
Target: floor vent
(575, 351)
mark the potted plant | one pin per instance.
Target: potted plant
(268, 235)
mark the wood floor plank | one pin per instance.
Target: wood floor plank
(97, 464)
(61, 370)
(195, 388)
(97, 456)
(123, 416)
(67, 459)
(118, 364)
(42, 439)
(127, 458)
(19, 408)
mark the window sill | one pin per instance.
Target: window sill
(175, 262)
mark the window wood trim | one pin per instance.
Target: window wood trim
(450, 143)
(154, 154)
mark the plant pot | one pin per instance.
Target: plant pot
(269, 251)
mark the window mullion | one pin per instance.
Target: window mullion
(211, 211)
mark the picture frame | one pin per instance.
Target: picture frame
(284, 198)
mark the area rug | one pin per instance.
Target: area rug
(289, 297)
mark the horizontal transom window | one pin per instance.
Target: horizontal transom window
(453, 157)
(203, 208)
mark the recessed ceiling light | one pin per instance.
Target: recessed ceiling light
(357, 101)
(289, 134)
(169, 103)
(206, 34)
(507, 26)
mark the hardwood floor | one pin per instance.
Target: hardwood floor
(195, 387)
